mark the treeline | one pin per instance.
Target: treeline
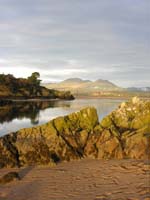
(22, 86)
(27, 88)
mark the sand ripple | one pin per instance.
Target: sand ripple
(85, 179)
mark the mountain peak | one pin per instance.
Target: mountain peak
(102, 81)
(72, 80)
(75, 80)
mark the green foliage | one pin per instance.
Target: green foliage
(28, 87)
(33, 79)
(2, 78)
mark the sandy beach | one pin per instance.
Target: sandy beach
(85, 179)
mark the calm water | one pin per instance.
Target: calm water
(21, 114)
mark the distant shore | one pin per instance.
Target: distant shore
(31, 99)
(101, 97)
(108, 97)
(12, 99)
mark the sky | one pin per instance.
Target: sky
(89, 39)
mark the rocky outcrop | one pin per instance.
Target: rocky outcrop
(125, 133)
(63, 138)
(131, 125)
(11, 176)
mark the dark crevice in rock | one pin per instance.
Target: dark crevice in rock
(121, 130)
(9, 142)
(55, 157)
(85, 144)
(80, 149)
(75, 151)
(96, 149)
(57, 132)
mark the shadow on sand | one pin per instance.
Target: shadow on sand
(23, 172)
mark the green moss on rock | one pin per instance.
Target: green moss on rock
(122, 134)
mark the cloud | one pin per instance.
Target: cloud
(96, 39)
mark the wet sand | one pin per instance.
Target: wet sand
(81, 180)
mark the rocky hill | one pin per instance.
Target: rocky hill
(11, 87)
(125, 133)
(79, 86)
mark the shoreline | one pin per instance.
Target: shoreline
(76, 97)
(33, 99)
(110, 97)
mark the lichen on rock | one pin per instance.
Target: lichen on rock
(124, 133)
(132, 121)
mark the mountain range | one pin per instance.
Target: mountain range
(79, 86)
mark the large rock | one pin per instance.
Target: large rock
(131, 125)
(63, 138)
(125, 133)
(11, 176)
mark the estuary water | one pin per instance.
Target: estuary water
(22, 114)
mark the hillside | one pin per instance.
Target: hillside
(79, 86)
(11, 87)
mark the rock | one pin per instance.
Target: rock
(124, 133)
(131, 123)
(123, 104)
(135, 100)
(63, 138)
(136, 144)
(8, 152)
(66, 95)
(11, 176)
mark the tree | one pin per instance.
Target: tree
(33, 79)
(2, 78)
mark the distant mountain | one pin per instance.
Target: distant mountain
(139, 89)
(79, 86)
(75, 80)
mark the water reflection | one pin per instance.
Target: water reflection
(26, 109)
(22, 114)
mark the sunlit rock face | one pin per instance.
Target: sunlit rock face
(125, 133)
(61, 139)
(131, 124)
